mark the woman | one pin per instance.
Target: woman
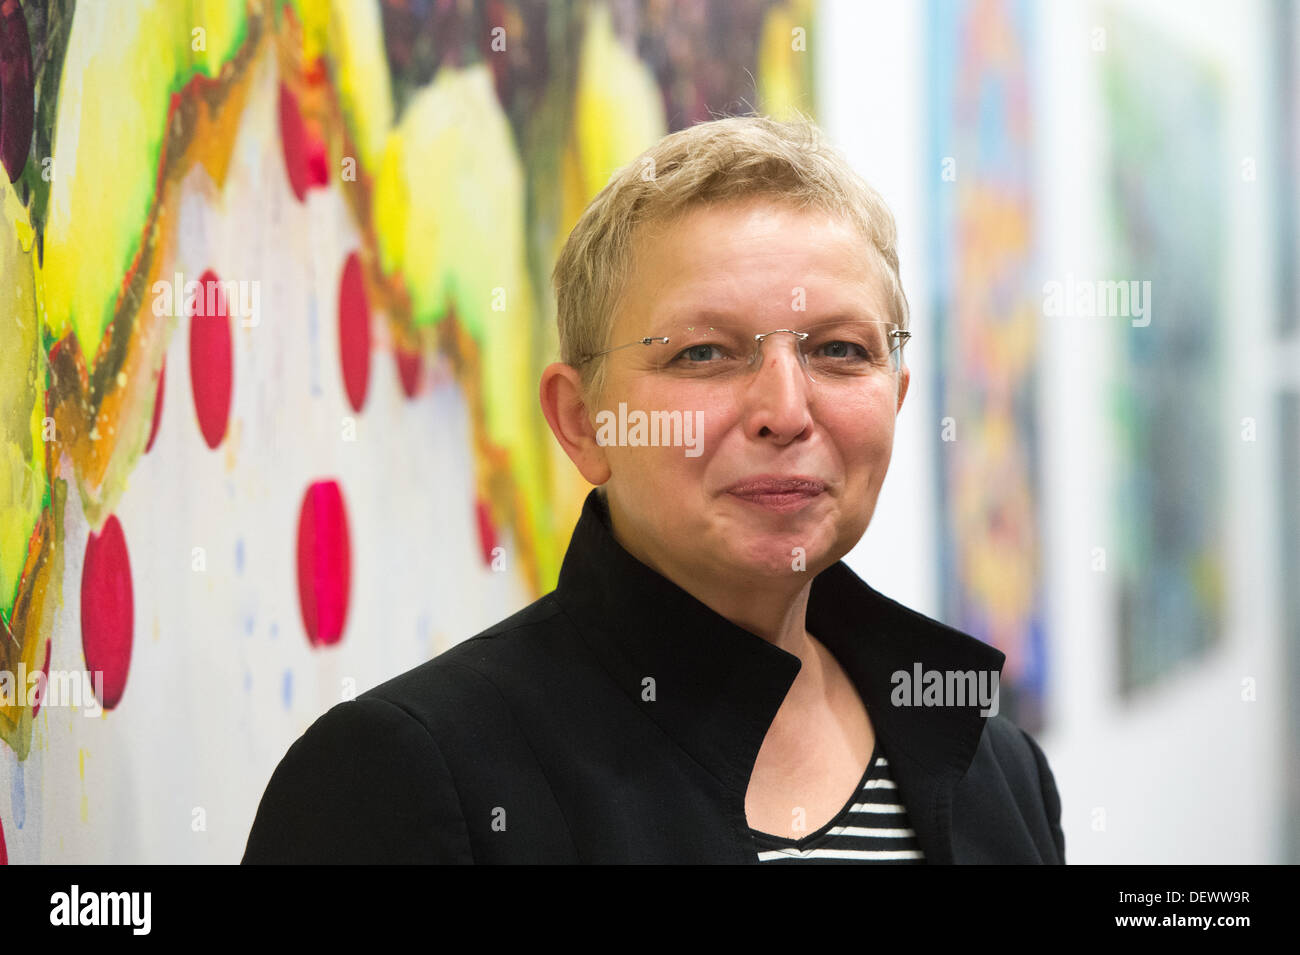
(709, 682)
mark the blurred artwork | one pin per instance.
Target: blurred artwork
(276, 307)
(985, 314)
(1165, 126)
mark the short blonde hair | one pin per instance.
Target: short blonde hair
(731, 158)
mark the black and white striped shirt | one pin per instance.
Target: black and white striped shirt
(872, 827)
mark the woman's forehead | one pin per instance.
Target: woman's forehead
(755, 220)
(717, 251)
(749, 261)
(735, 288)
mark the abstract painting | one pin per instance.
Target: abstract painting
(1165, 118)
(985, 331)
(269, 428)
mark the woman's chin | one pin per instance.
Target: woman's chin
(777, 558)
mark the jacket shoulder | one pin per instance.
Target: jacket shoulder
(446, 741)
(522, 638)
(366, 783)
(1029, 777)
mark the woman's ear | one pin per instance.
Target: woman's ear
(904, 380)
(567, 413)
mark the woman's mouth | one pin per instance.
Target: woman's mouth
(778, 494)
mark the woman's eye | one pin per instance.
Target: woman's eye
(697, 353)
(845, 350)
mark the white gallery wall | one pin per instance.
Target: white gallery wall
(1191, 770)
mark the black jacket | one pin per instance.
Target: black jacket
(535, 741)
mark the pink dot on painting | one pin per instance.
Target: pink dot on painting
(324, 563)
(157, 406)
(293, 139)
(487, 533)
(4, 856)
(409, 369)
(36, 704)
(16, 87)
(211, 359)
(354, 332)
(304, 152)
(317, 163)
(107, 612)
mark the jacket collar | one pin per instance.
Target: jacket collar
(717, 687)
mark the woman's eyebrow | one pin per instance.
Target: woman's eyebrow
(719, 316)
(696, 314)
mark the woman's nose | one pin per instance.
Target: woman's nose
(777, 390)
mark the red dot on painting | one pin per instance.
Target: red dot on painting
(324, 563)
(107, 612)
(487, 532)
(304, 152)
(211, 359)
(354, 332)
(36, 704)
(410, 367)
(4, 855)
(317, 164)
(157, 406)
(16, 88)
(293, 139)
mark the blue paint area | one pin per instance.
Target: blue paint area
(286, 690)
(248, 625)
(18, 796)
(239, 556)
(248, 680)
(275, 629)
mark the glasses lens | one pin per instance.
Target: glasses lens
(848, 348)
(707, 350)
(834, 349)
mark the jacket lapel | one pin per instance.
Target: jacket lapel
(717, 687)
(929, 748)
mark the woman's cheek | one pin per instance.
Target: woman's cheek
(868, 423)
(710, 423)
